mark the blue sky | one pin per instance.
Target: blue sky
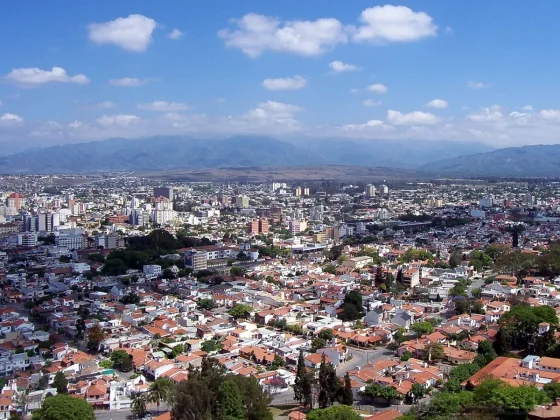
(443, 70)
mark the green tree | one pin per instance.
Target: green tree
(329, 384)
(303, 385)
(64, 407)
(205, 304)
(230, 403)
(422, 328)
(434, 352)
(337, 412)
(60, 383)
(95, 336)
(552, 390)
(352, 306)
(346, 394)
(237, 271)
(139, 405)
(160, 390)
(210, 346)
(241, 311)
(317, 343)
(418, 391)
(326, 334)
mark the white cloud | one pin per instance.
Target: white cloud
(128, 82)
(369, 124)
(412, 118)
(106, 105)
(371, 102)
(527, 108)
(75, 124)
(255, 34)
(287, 83)
(492, 113)
(36, 76)
(437, 103)
(477, 85)
(175, 34)
(273, 110)
(339, 67)
(550, 114)
(378, 88)
(122, 120)
(164, 106)
(133, 33)
(11, 118)
(394, 24)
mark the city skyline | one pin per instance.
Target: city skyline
(367, 71)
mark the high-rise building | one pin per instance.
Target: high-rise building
(242, 201)
(306, 191)
(257, 226)
(383, 189)
(253, 227)
(297, 226)
(297, 192)
(197, 260)
(166, 192)
(263, 226)
(16, 201)
(370, 190)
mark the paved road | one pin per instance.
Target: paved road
(361, 358)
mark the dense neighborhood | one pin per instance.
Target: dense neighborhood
(275, 300)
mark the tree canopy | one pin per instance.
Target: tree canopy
(64, 407)
(337, 412)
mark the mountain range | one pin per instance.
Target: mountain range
(171, 153)
(168, 153)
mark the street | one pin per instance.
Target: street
(361, 358)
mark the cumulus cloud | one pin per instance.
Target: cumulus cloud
(412, 118)
(10, 119)
(132, 33)
(340, 67)
(164, 106)
(437, 103)
(378, 88)
(287, 83)
(255, 34)
(550, 114)
(273, 110)
(122, 120)
(175, 34)
(35, 76)
(477, 85)
(492, 113)
(371, 102)
(128, 82)
(369, 124)
(527, 108)
(394, 24)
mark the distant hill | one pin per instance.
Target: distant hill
(172, 153)
(526, 161)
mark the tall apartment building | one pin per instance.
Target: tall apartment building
(197, 260)
(16, 201)
(297, 226)
(242, 201)
(166, 192)
(297, 192)
(306, 191)
(370, 190)
(257, 226)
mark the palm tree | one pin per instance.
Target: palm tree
(138, 406)
(160, 390)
